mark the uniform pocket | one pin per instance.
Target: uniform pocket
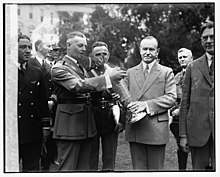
(71, 108)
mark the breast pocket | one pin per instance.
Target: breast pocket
(71, 108)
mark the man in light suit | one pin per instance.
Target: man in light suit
(74, 126)
(197, 121)
(153, 90)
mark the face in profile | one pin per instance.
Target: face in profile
(24, 50)
(149, 50)
(184, 58)
(100, 55)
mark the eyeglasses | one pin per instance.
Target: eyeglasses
(205, 38)
(99, 54)
(25, 46)
(182, 57)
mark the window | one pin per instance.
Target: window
(51, 15)
(42, 15)
(30, 15)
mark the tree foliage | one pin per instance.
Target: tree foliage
(122, 26)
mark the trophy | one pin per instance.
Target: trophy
(125, 99)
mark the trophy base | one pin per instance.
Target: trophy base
(136, 117)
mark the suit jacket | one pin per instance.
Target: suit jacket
(197, 105)
(74, 121)
(46, 68)
(159, 90)
(32, 104)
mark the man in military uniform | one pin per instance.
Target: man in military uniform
(54, 55)
(43, 51)
(33, 114)
(74, 126)
(107, 127)
(184, 58)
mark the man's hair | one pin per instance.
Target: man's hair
(207, 25)
(22, 36)
(75, 33)
(98, 44)
(185, 50)
(37, 43)
(150, 37)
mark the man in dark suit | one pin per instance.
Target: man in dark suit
(197, 120)
(43, 50)
(105, 102)
(74, 126)
(153, 91)
(33, 114)
(184, 58)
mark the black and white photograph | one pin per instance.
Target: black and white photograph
(109, 88)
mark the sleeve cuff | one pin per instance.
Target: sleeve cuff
(45, 123)
(147, 108)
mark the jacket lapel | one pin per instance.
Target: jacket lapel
(151, 77)
(73, 66)
(26, 78)
(203, 67)
(139, 75)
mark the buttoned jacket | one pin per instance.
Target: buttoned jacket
(197, 119)
(74, 121)
(32, 104)
(159, 92)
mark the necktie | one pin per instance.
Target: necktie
(146, 70)
(212, 69)
(22, 69)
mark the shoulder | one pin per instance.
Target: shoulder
(134, 68)
(198, 60)
(164, 68)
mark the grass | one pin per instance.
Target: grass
(123, 158)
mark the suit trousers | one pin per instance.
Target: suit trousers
(30, 154)
(109, 147)
(147, 157)
(74, 155)
(203, 157)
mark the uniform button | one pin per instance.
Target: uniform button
(32, 104)
(49, 80)
(31, 92)
(50, 88)
(32, 115)
(19, 117)
(19, 104)
(19, 93)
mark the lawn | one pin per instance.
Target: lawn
(123, 158)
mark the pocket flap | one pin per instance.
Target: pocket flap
(71, 108)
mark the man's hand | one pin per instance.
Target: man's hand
(119, 127)
(184, 144)
(175, 112)
(50, 105)
(117, 74)
(136, 107)
(115, 96)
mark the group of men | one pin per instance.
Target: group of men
(79, 104)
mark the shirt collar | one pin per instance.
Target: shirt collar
(74, 60)
(209, 56)
(149, 65)
(39, 59)
(18, 65)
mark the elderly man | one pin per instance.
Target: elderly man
(184, 58)
(74, 126)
